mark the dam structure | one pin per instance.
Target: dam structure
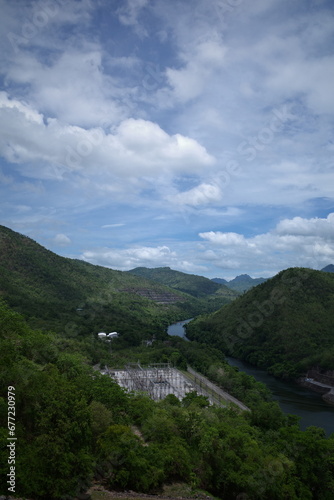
(157, 380)
(161, 379)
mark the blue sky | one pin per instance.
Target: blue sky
(191, 134)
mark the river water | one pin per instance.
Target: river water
(292, 398)
(178, 328)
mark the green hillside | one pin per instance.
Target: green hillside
(77, 297)
(285, 324)
(198, 286)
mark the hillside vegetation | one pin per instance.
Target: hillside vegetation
(211, 295)
(75, 426)
(285, 324)
(60, 293)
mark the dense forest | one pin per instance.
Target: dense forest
(285, 324)
(74, 426)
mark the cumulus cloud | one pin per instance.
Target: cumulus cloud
(224, 239)
(50, 149)
(315, 227)
(293, 242)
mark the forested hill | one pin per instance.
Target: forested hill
(285, 324)
(73, 296)
(198, 286)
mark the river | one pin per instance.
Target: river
(292, 398)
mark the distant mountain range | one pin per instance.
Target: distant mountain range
(244, 282)
(241, 283)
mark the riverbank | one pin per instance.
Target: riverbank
(294, 398)
(326, 390)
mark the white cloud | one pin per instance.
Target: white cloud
(61, 240)
(224, 239)
(128, 258)
(316, 227)
(74, 88)
(293, 242)
(203, 194)
(51, 150)
(201, 63)
(309, 78)
(125, 259)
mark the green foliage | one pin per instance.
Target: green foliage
(192, 399)
(130, 464)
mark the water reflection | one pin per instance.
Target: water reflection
(178, 328)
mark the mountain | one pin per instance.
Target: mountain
(70, 295)
(220, 281)
(212, 294)
(328, 269)
(197, 286)
(285, 324)
(241, 283)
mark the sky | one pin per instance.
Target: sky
(192, 134)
